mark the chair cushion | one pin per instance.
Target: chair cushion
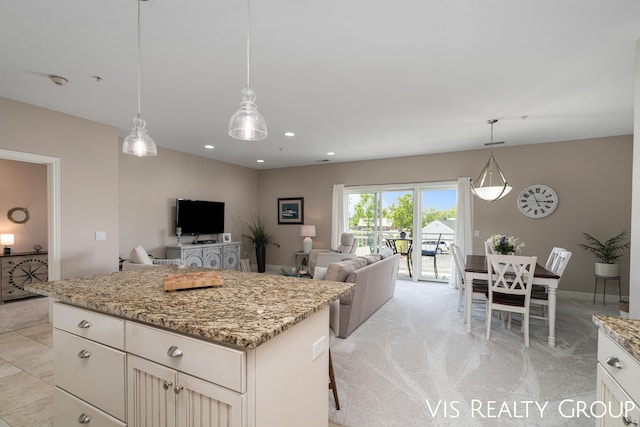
(507, 299)
(139, 256)
(320, 273)
(339, 271)
(428, 253)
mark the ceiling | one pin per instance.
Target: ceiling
(365, 79)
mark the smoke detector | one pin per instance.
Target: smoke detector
(58, 80)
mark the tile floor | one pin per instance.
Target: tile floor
(26, 364)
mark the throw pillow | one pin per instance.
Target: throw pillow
(371, 258)
(386, 252)
(139, 256)
(319, 273)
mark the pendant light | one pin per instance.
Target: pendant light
(138, 142)
(247, 123)
(491, 184)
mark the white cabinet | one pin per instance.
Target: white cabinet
(87, 366)
(215, 255)
(161, 396)
(618, 387)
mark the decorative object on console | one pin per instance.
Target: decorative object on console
(307, 231)
(260, 239)
(247, 123)
(7, 241)
(18, 215)
(226, 237)
(491, 184)
(291, 210)
(37, 248)
(179, 233)
(138, 142)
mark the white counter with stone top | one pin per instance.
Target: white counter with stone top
(247, 310)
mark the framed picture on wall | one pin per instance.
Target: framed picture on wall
(291, 210)
(226, 237)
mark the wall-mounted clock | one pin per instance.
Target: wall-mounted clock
(537, 201)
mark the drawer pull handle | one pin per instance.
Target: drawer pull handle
(84, 324)
(628, 421)
(174, 351)
(177, 389)
(84, 419)
(84, 354)
(614, 361)
(166, 385)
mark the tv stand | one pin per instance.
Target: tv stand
(223, 256)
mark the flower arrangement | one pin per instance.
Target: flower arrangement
(504, 245)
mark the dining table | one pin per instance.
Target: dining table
(476, 268)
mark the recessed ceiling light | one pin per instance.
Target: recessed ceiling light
(331, 153)
(260, 161)
(289, 134)
(209, 147)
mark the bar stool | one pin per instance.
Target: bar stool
(604, 288)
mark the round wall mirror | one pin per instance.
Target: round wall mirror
(18, 215)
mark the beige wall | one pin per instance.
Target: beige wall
(24, 185)
(88, 153)
(583, 173)
(148, 189)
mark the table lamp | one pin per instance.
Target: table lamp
(7, 240)
(307, 231)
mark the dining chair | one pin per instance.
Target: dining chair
(433, 253)
(479, 287)
(553, 255)
(488, 248)
(540, 297)
(510, 279)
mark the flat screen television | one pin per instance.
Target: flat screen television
(199, 216)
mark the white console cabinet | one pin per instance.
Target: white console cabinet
(224, 256)
(618, 386)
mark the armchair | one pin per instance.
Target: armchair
(324, 257)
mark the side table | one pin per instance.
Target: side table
(604, 288)
(301, 258)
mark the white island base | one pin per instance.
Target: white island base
(121, 372)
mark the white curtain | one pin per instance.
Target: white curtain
(338, 215)
(464, 224)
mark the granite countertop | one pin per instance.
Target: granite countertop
(625, 332)
(247, 310)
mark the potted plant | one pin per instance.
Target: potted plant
(607, 253)
(260, 239)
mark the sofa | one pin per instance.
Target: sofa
(375, 279)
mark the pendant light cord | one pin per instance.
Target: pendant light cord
(248, 41)
(139, 63)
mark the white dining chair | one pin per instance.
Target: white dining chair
(488, 248)
(553, 255)
(540, 297)
(479, 286)
(510, 280)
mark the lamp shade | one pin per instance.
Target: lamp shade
(491, 184)
(7, 239)
(308, 231)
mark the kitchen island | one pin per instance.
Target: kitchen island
(252, 352)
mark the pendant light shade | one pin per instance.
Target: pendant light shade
(491, 184)
(138, 142)
(247, 123)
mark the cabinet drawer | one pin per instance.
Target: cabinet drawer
(626, 371)
(68, 411)
(88, 324)
(211, 362)
(98, 377)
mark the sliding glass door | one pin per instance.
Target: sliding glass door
(415, 220)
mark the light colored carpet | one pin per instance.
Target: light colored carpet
(415, 350)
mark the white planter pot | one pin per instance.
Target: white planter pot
(607, 270)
